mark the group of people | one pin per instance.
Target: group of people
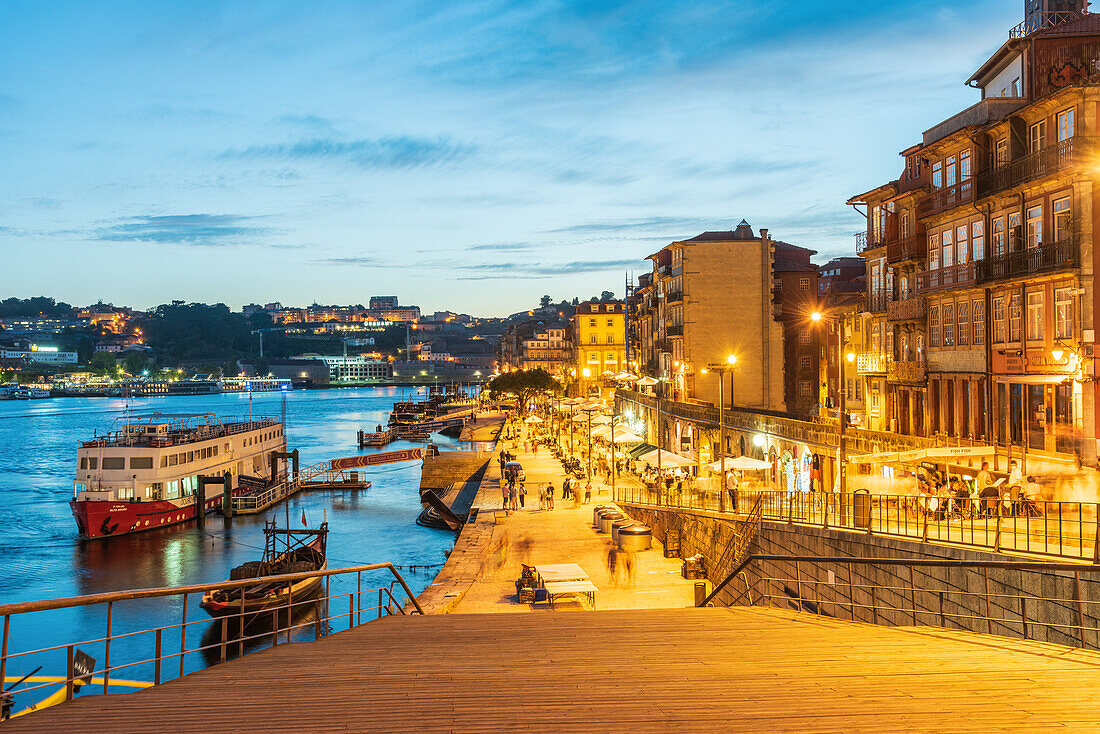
(942, 497)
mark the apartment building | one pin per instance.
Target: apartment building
(599, 345)
(979, 256)
(534, 345)
(711, 296)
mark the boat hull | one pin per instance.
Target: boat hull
(300, 591)
(102, 519)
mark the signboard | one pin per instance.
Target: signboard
(385, 457)
(83, 665)
(1041, 363)
(1061, 62)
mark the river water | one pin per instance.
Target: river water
(41, 555)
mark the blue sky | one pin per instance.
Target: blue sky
(464, 155)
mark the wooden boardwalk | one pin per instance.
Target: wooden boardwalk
(671, 670)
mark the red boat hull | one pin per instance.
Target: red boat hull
(97, 519)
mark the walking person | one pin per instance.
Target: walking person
(628, 561)
(613, 564)
(588, 492)
(565, 487)
(504, 494)
(549, 496)
(512, 495)
(521, 490)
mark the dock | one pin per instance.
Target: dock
(650, 670)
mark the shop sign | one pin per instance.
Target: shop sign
(1036, 363)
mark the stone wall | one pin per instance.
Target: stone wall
(1035, 602)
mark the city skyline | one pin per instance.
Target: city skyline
(308, 153)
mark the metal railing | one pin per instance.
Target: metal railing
(876, 302)
(950, 276)
(914, 247)
(1062, 255)
(1046, 20)
(1049, 160)
(994, 597)
(911, 308)
(947, 197)
(341, 601)
(1060, 529)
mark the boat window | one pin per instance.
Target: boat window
(164, 460)
(173, 459)
(125, 493)
(141, 462)
(83, 462)
(114, 462)
(190, 456)
(93, 462)
(173, 490)
(188, 484)
(215, 451)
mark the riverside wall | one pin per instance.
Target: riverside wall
(975, 599)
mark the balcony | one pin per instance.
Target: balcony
(866, 242)
(914, 247)
(1043, 21)
(909, 372)
(955, 276)
(946, 198)
(909, 309)
(674, 331)
(876, 302)
(1036, 165)
(674, 296)
(1063, 255)
(871, 363)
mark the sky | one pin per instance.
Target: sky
(469, 155)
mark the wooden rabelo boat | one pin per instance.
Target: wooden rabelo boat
(285, 551)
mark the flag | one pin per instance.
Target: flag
(304, 523)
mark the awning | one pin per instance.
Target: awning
(1032, 379)
(667, 458)
(642, 448)
(740, 463)
(624, 435)
(918, 455)
(601, 431)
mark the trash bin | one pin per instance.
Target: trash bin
(861, 509)
(596, 512)
(625, 522)
(702, 589)
(606, 518)
(693, 568)
(635, 537)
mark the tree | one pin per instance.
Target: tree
(545, 302)
(135, 363)
(524, 384)
(606, 296)
(261, 365)
(103, 363)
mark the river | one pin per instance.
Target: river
(43, 557)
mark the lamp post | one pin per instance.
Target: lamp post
(721, 370)
(589, 410)
(841, 399)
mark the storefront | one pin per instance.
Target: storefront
(1037, 401)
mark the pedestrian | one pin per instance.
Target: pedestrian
(550, 496)
(535, 449)
(522, 492)
(512, 495)
(588, 492)
(613, 564)
(565, 488)
(504, 494)
(525, 446)
(542, 499)
(628, 561)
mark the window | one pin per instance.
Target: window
(804, 363)
(934, 252)
(905, 225)
(611, 322)
(950, 172)
(591, 322)
(998, 236)
(804, 336)
(1035, 315)
(1063, 313)
(937, 175)
(1014, 232)
(1014, 308)
(610, 338)
(1037, 137)
(173, 459)
(804, 388)
(114, 462)
(1065, 125)
(978, 319)
(934, 326)
(593, 357)
(1034, 226)
(804, 284)
(1062, 218)
(962, 313)
(962, 247)
(591, 338)
(949, 324)
(1000, 331)
(164, 461)
(947, 259)
(1000, 153)
(859, 391)
(977, 239)
(964, 165)
(141, 462)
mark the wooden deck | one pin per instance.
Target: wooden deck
(674, 670)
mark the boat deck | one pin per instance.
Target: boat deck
(765, 670)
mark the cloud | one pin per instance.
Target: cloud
(400, 152)
(184, 229)
(505, 247)
(312, 123)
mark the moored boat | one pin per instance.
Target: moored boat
(285, 551)
(144, 474)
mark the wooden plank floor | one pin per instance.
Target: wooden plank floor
(674, 670)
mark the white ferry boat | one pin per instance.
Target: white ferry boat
(144, 474)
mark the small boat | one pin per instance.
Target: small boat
(31, 393)
(285, 551)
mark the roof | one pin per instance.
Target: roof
(785, 265)
(743, 232)
(887, 189)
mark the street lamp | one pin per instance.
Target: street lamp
(721, 370)
(589, 410)
(817, 316)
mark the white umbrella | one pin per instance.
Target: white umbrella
(601, 431)
(625, 435)
(627, 377)
(668, 458)
(646, 382)
(600, 420)
(532, 419)
(740, 463)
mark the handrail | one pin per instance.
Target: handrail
(113, 596)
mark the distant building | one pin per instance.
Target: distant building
(841, 276)
(794, 296)
(352, 369)
(40, 354)
(380, 302)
